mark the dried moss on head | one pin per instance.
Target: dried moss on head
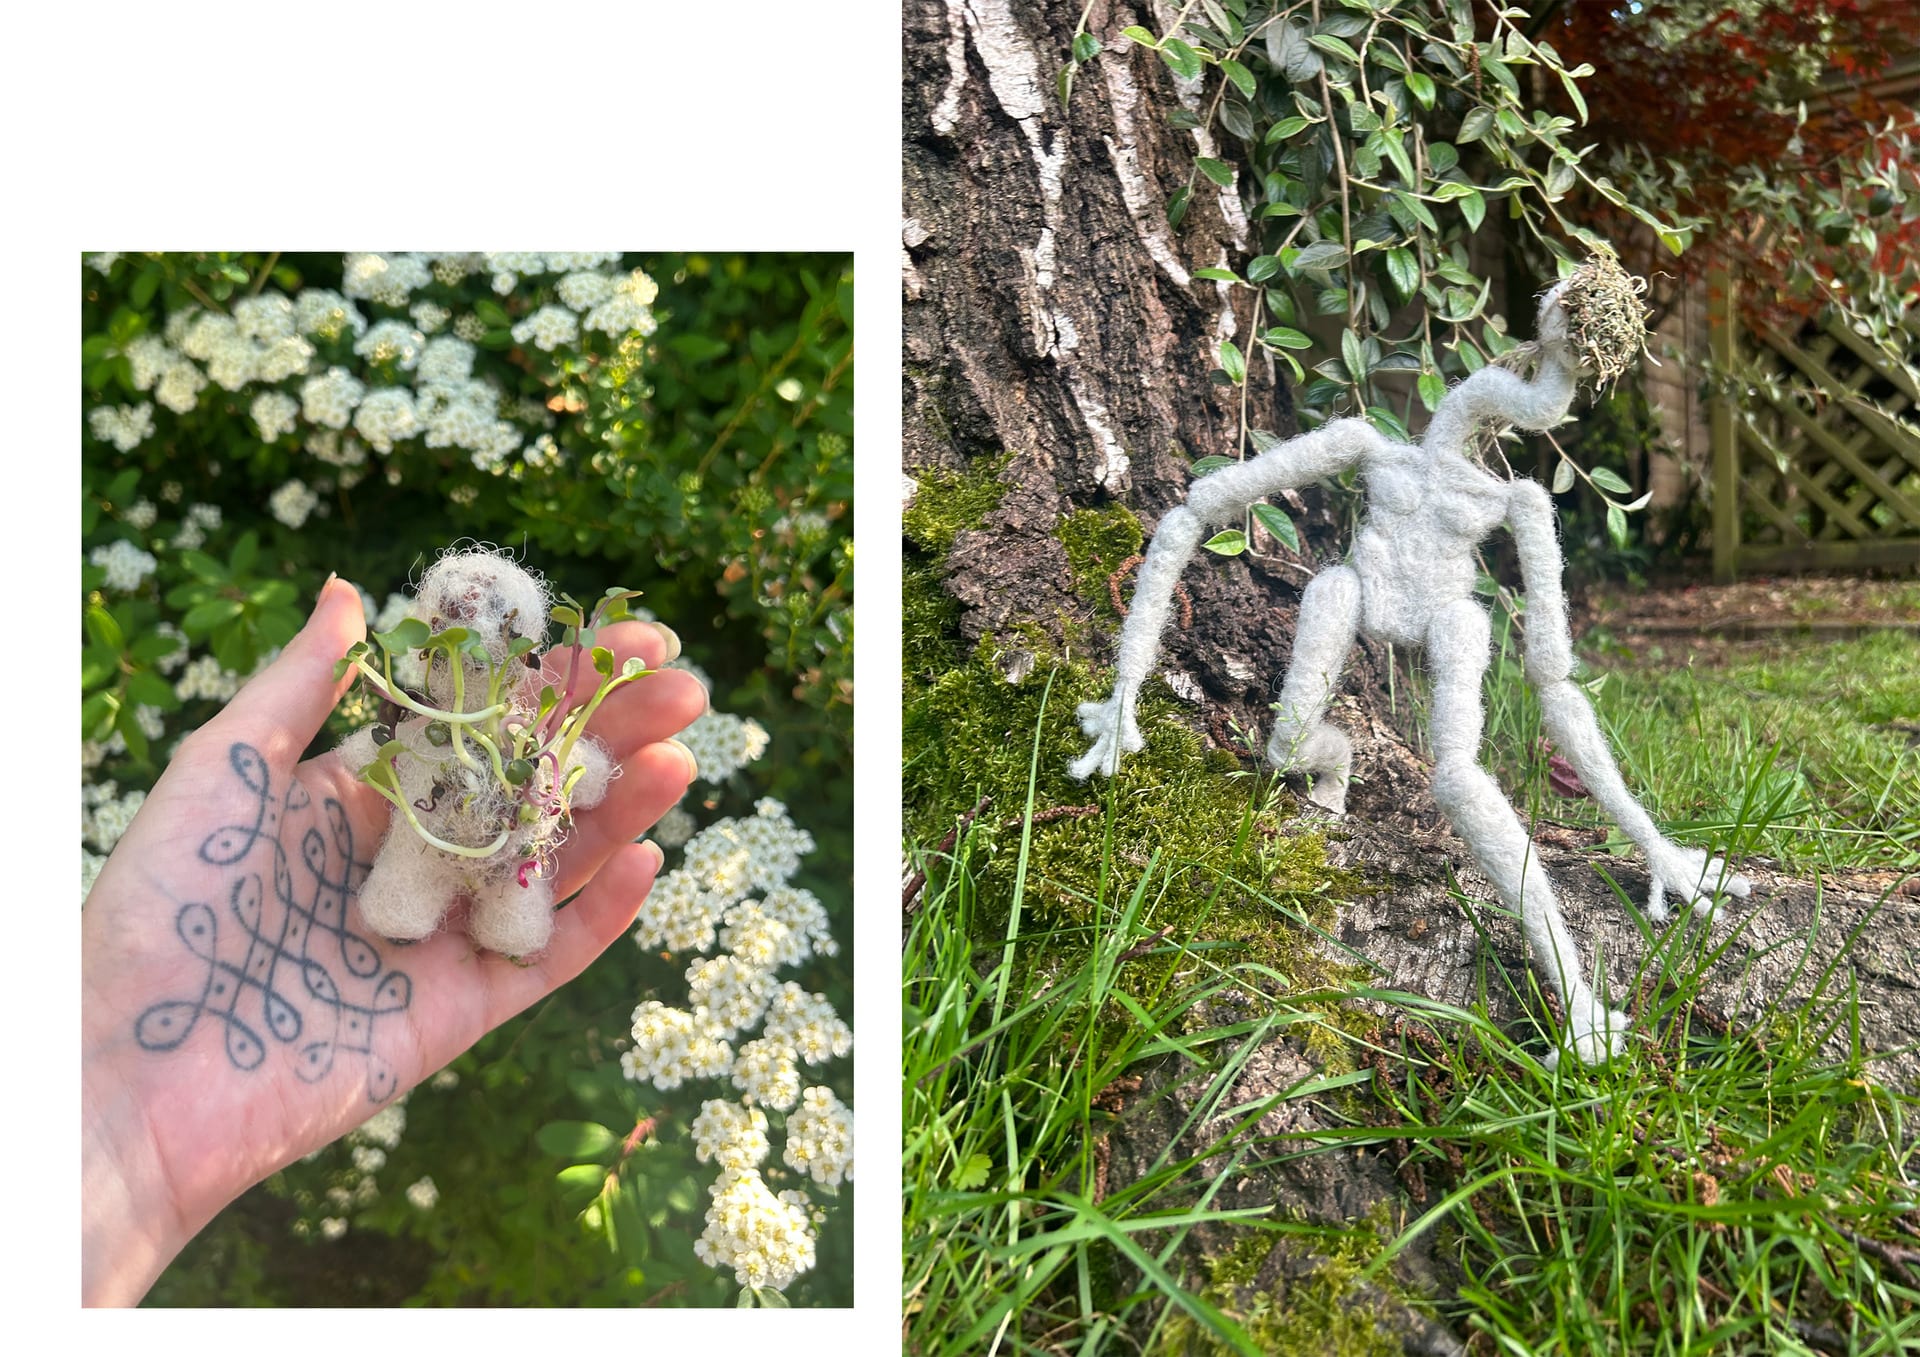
(1606, 319)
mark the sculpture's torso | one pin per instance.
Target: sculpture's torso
(1426, 511)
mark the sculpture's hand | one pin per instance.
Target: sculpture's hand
(1551, 328)
(1692, 876)
(1114, 733)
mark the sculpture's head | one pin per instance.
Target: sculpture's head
(1596, 318)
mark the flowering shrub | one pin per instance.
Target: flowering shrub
(683, 423)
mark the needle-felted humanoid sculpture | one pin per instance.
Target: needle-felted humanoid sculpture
(1409, 581)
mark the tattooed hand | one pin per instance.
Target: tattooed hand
(238, 1013)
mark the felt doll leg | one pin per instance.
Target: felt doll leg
(409, 888)
(1301, 741)
(1458, 642)
(512, 919)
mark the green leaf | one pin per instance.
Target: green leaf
(1610, 480)
(1085, 47)
(1354, 355)
(1363, 119)
(633, 668)
(575, 1139)
(245, 552)
(1288, 338)
(1206, 464)
(1218, 171)
(1262, 267)
(1239, 75)
(1229, 543)
(104, 630)
(1433, 389)
(491, 313)
(1277, 523)
(1474, 126)
(1474, 208)
(153, 646)
(1217, 275)
(1388, 423)
(603, 660)
(97, 667)
(1182, 58)
(580, 1183)
(410, 634)
(96, 715)
(1573, 92)
(1135, 33)
(1230, 359)
(565, 616)
(150, 690)
(1563, 478)
(1336, 47)
(213, 613)
(1422, 88)
(128, 724)
(1509, 122)
(1285, 128)
(972, 1175)
(1177, 206)
(1322, 254)
(1617, 526)
(769, 1298)
(1403, 269)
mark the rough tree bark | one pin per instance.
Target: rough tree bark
(1052, 314)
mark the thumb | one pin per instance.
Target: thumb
(282, 707)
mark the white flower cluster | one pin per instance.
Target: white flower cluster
(126, 565)
(274, 413)
(820, 1138)
(423, 1195)
(392, 341)
(105, 814)
(730, 1135)
(722, 744)
(670, 1047)
(292, 502)
(722, 864)
(733, 879)
(673, 829)
(141, 514)
(384, 1127)
(256, 344)
(204, 677)
(548, 328)
(124, 426)
(766, 1240)
(200, 520)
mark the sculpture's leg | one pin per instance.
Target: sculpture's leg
(408, 888)
(1301, 741)
(1458, 644)
(511, 919)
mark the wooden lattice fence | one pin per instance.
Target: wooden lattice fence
(1816, 450)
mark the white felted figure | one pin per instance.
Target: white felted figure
(1409, 581)
(498, 838)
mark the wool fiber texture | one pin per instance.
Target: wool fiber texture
(1409, 580)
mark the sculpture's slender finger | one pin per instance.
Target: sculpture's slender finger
(1657, 900)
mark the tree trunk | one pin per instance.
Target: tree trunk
(1052, 314)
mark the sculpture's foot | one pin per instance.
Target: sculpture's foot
(1323, 754)
(1594, 1033)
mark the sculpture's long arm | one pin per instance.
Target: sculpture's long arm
(1569, 716)
(1495, 393)
(1214, 499)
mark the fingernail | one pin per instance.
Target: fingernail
(693, 764)
(659, 856)
(319, 598)
(673, 641)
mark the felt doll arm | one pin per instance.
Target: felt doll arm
(1569, 718)
(1221, 495)
(1495, 393)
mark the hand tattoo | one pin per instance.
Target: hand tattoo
(311, 939)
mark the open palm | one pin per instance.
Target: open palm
(238, 1013)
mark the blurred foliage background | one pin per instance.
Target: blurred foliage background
(701, 453)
